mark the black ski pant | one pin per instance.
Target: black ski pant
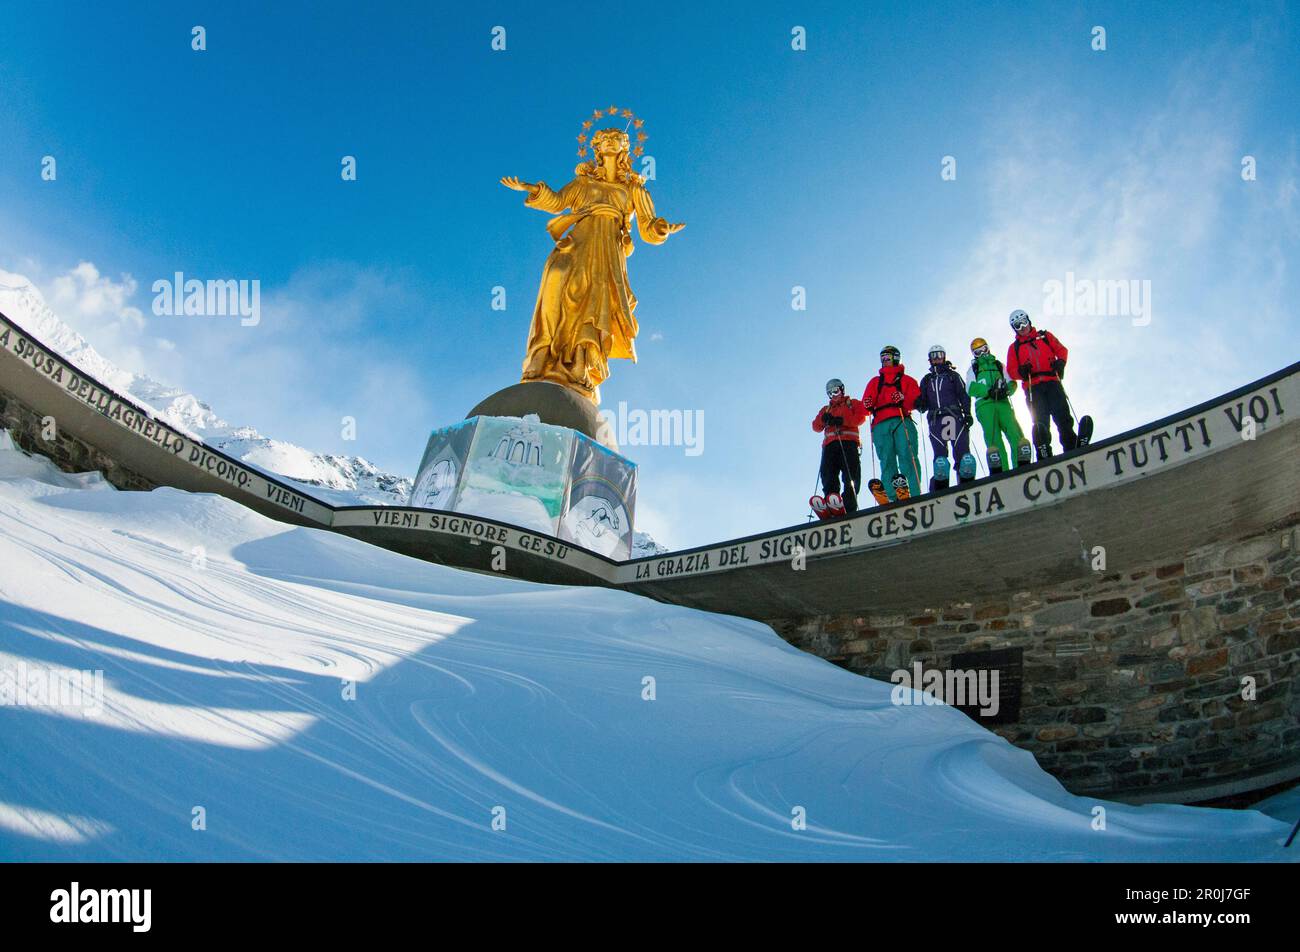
(842, 459)
(1047, 399)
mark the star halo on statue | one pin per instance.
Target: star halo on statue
(584, 137)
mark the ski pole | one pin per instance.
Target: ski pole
(970, 442)
(1072, 412)
(817, 481)
(1034, 432)
(916, 460)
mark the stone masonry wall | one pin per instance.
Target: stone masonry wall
(68, 453)
(1133, 681)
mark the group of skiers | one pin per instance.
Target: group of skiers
(1035, 359)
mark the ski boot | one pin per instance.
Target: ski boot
(877, 490)
(900, 488)
(942, 471)
(995, 462)
(819, 506)
(1024, 454)
(966, 468)
(835, 503)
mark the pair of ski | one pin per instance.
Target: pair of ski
(1043, 438)
(1024, 457)
(1042, 445)
(829, 507)
(943, 470)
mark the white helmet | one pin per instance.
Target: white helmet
(939, 350)
(1019, 320)
(833, 386)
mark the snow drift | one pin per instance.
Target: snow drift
(308, 697)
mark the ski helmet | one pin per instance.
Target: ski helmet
(979, 347)
(937, 351)
(892, 353)
(1019, 320)
(833, 386)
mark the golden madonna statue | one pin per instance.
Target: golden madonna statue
(586, 311)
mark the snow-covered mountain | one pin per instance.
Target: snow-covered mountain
(342, 480)
(644, 546)
(316, 698)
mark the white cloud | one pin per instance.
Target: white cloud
(83, 293)
(299, 371)
(101, 310)
(1164, 204)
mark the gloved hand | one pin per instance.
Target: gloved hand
(1025, 371)
(898, 396)
(827, 419)
(999, 389)
(1058, 368)
(837, 420)
(968, 420)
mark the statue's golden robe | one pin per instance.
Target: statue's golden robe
(585, 313)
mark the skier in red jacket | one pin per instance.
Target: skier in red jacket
(890, 398)
(1038, 359)
(839, 420)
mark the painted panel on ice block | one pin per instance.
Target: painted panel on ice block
(443, 465)
(517, 472)
(602, 500)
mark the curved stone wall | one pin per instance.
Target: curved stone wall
(1169, 681)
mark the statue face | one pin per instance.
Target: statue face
(609, 142)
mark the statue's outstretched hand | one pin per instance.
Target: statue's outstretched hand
(511, 181)
(674, 228)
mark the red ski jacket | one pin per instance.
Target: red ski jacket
(881, 395)
(1037, 349)
(854, 414)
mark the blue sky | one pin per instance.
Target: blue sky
(818, 168)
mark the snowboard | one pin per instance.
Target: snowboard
(877, 490)
(901, 490)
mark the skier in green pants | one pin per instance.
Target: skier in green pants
(890, 398)
(988, 383)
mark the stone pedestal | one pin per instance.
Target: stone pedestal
(551, 479)
(550, 403)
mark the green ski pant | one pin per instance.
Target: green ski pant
(895, 442)
(997, 419)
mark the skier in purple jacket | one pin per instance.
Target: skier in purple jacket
(947, 408)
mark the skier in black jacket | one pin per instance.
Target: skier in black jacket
(946, 405)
